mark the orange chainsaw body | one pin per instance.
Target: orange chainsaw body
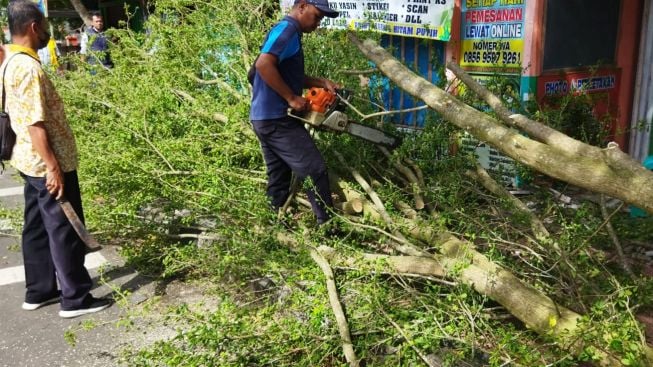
(320, 99)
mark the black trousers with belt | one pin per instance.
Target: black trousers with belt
(52, 250)
(288, 147)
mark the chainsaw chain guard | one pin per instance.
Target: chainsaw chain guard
(336, 120)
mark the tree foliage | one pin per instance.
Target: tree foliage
(166, 148)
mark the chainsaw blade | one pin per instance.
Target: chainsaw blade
(373, 135)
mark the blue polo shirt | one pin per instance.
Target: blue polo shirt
(285, 42)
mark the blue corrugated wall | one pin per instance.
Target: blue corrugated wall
(421, 55)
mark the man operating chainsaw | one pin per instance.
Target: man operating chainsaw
(277, 86)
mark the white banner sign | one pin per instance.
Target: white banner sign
(411, 18)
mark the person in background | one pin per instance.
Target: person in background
(277, 85)
(45, 155)
(94, 44)
(49, 55)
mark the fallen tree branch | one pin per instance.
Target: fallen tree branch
(615, 239)
(367, 188)
(406, 210)
(351, 207)
(611, 173)
(460, 260)
(482, 177)
(351, 194)
(416, 265)
(341, 320)
(417, 170)
(535, 129)
(405, 247)
(222, 84)
(415, 186)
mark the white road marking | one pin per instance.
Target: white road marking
(16, 274)
(12, 275)
(11, 191)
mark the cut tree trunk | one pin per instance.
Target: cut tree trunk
(610, 171)
(536, 310)
(460, 260)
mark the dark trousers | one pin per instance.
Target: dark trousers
(51, 248)
(288, 147)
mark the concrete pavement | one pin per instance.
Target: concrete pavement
(36, 338)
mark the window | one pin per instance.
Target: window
(580, 33)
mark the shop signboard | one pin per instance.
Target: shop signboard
(602, 84)
(492, 35)
(411, 18)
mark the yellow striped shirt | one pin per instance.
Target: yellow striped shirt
(31, 98)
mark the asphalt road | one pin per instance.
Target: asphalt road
(36, 338)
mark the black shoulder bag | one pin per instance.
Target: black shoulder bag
(7, 134)
(251, 73)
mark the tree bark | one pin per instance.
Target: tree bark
(82, 11)
(610, 171)
(534, 129)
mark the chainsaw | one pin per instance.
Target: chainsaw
(327, 113)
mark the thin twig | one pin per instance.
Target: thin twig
(222, 84)
(615, 239)
(345, 101)
(294, 188)
(384, 113)
(377, 229)
(605, 221)
(195, 236)
(154, 148)
(357, 72)
(410, 341)
(415, 186)
(241, 176)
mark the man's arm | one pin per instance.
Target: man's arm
(83, 44)
(266, 65)
(54, 178)
(327, 84)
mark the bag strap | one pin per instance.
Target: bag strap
(4, 93)
(4, 72)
